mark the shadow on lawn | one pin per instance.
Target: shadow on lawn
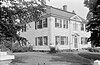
(18, 59)
(90, 56)
(70, 57)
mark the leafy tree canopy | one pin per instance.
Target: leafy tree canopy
(14, 14)
(94, 21)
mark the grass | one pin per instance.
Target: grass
(39, 58)
(70, 57)
(91, 56)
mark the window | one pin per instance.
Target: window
(41, 24)
(84, 40)
(82, 27)
(58, 23)
(44, 22)
(66, 40)
(40, 41)
(35, 25)
(65, 24)
(57, 40)
(36, 41)
(62, 40)
(45, 40)
(75, 26)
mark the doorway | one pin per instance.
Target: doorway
(75, 42)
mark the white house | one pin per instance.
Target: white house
(60, 28)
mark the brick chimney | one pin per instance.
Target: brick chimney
(65, 7)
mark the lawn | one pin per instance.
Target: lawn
(44, 58)
(91, 56)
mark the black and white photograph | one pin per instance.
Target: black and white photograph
(49, 32)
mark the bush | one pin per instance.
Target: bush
(30, 48)
(52, 50)
(22, 49)
(93, 49)
(4, 48)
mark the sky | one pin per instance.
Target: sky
(76, 5)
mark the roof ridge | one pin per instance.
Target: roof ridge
(60, 9)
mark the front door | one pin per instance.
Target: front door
(75, 42)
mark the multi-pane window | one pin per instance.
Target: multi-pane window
(82, 27)
(44, 22)
(75, 26)
(65, 24)
(58, 23)
(41, 24)
(41, 41)
(84, 40)
(36, 41)
(57, 39)
(45, 39)
(61, 40)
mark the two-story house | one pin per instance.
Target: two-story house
(63, 29)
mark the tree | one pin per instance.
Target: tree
(15, 14)
(94, 21)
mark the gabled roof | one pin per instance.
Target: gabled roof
(60, 9)
(53, 11)
(59, 12)
(83, 20)
(78, 18)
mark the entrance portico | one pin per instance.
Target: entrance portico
(75, 41)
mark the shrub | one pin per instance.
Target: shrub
(93, 49)
(22, 49)
(4, 48)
